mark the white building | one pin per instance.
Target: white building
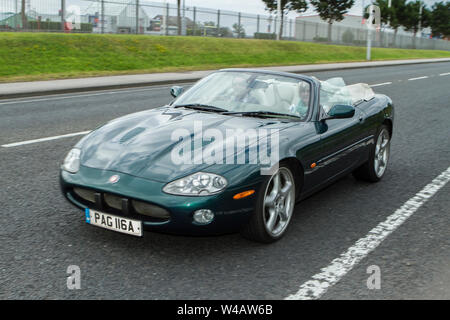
(121, 18)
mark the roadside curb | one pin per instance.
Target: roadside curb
(42, 88)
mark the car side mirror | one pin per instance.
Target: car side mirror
(341, 111)
(175, 91)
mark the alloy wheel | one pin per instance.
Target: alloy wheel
(279, 201)
(382, 153)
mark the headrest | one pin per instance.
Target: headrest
(287, 91)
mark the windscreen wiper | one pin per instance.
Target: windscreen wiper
(264, 114)
(202, 107)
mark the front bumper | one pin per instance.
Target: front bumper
(230, 214)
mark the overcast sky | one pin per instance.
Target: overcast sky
(257, 6)
(244, 6)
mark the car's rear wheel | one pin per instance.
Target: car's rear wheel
(274, 208)
(374, 169)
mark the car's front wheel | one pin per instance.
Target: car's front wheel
(374, 169)
(274, 208)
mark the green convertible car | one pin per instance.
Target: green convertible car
(234, 153)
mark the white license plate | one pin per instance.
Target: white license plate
(115, 223)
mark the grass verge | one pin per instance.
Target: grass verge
(40, 56)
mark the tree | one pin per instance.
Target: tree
(239, 30)
(298, 6)
(417, 16)
(440, 19)
(226, 32)
(332, 10)
(348, 37)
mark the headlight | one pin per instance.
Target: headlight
(197, 184)
(72, 161)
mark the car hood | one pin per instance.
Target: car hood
(141, 144)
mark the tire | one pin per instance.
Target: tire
(375, 168)
(274, 208)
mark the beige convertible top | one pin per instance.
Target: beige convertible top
(334, 91)
(360, 92)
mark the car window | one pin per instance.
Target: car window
(247, 91)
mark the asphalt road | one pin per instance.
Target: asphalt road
(41, 234)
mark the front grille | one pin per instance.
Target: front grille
(85, 194)
(150, 210)
(115, 204)
(113, 201)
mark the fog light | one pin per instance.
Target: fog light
(203, 216)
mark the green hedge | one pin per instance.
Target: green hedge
(320, 39)
(266, 36)
(359, 42)
(55, 26)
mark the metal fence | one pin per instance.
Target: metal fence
(150, 18)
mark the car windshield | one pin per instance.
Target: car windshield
(249, 92)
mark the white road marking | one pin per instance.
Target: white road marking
(444, 74)
(63, 96)
(339, 267)
(418, 78)
(380, 84)
(16, 144)
(69, 97)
